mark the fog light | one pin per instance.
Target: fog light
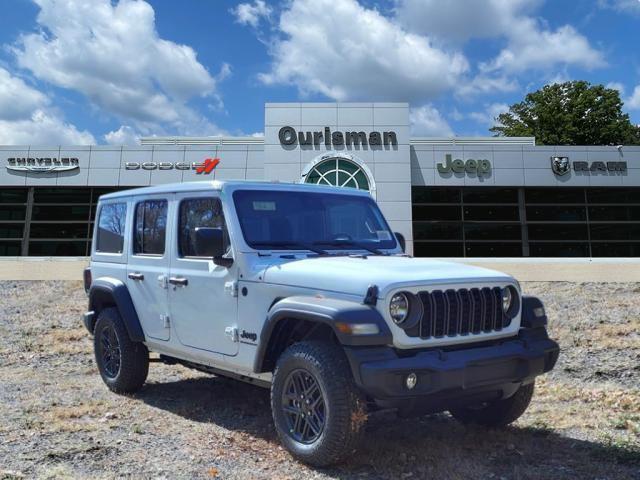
(411, 381)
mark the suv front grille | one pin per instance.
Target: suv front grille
(449, 313)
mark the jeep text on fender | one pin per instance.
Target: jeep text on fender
(305, 290)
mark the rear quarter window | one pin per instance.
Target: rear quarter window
(111, 224)
(150, 227)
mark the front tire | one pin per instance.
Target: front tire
(318, 412)
(123, 364)
(498, 413)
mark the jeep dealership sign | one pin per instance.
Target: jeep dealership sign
(470, 166)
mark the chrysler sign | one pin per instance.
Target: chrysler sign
(42, 164)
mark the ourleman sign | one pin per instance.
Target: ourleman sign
(470, 166)
(288, 136)
(42, 164)
(562, 166)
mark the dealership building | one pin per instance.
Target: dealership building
(449, 197)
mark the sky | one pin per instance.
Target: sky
(76, 72)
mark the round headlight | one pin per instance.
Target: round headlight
(399, 308)
(507, 299)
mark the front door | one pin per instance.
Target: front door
(202, 296)
(149, 265)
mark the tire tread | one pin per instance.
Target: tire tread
(134, 362)
(348, 417)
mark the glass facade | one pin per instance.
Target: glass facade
(447, 221)
(529, 222)
(47, 221)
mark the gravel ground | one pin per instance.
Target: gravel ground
(60, 421)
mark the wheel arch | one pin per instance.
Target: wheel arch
(111, 292)
(299, 318)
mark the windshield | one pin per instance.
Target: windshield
(310, 221)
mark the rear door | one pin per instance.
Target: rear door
(148, 266)
(202, 295)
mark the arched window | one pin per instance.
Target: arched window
(339, 172)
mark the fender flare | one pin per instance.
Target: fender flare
(326, 311)
(112, 291)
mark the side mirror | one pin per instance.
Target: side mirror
(401, 241)
(210, 243)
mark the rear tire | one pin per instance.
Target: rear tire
(498, 413)
(318, 412)
(123, 364)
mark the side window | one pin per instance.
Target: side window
(110, 236)
(197, 212)
(150, 227)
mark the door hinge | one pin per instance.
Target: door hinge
(232, 333)
(231, 288)
(166, 322)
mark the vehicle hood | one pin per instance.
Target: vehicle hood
(353, 275)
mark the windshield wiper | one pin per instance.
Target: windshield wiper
(350, 243)
(292, 245)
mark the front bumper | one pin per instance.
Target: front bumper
(497, 369)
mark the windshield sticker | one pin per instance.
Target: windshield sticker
(383, 235)
(265, 206)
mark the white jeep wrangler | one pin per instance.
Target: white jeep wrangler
(305, 290)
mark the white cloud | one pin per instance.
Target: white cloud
(345, 51)
(17, 99)
(633, 102)
(488, 117)
(26, 117)
(559, 77)
(532, 48)
(42, 128)
(624, 6)
(125, 135)
(113, 55)
(616, 86)
(530, 44)
(251, 14)
(459, 21)
(427, 121)
(484, 84)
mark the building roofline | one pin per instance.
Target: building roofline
(473, 140)
(201, 140)
(413, 141)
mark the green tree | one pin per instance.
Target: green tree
(570, 113)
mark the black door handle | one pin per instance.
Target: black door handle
(136, 276)
(178, 281)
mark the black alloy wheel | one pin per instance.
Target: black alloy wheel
(318, 412)
(111, 355)
(123, 364)
(303, 404)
